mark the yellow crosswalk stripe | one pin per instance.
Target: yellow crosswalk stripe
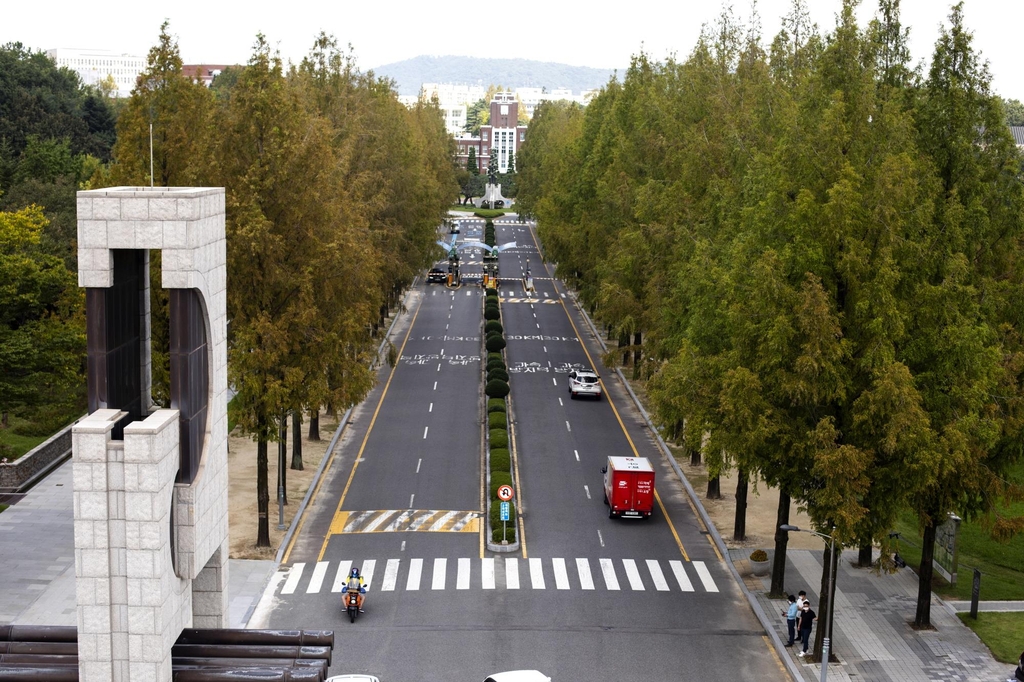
(405, 520)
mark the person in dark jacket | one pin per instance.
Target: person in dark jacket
(1018, 674)
(807, 618)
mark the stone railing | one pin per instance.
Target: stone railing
(14, 475)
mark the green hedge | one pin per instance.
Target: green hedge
(497, 363)
(491, 314)
(493, 326)
(497, 373)
(494, 343)
(497, 527)
(498, 479)
(500, 460)
(496, 405)
(499, 438)
(491, 292)
(497, 420)
(495, 356)
(488, 213)
(496, 389)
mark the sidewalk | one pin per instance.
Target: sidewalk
(37, 560)
(872, 636)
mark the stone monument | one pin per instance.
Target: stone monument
(150, 484)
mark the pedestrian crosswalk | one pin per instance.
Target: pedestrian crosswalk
(508, 573)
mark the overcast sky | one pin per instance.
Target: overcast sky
(579, 32)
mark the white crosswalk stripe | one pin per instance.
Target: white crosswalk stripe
(495, 574)
(437, 582)
(415, 572)
(341, 577)
(561, 575)
(684, 582)
(632, 574)
(583, 568)
(293, 578)
(317, 581)
(657, 576)
(537, 574)
(608, 570)
(512, 574)
(705, 576)
(390, 576)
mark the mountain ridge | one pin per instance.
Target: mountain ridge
(410, 74)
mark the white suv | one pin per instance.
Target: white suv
(584, 382)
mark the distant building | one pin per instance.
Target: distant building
(503, 134)
(204, 73)
(94, 66)
(454, 101)
(1018, 135)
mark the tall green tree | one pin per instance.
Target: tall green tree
(471, 164)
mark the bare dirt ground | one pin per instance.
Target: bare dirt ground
(242, 516)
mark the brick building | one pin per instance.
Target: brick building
(503, 134)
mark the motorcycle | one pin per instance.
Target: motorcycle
(352, 604)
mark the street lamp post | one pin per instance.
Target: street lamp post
(826, 641)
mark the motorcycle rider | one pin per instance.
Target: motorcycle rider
(356, 585)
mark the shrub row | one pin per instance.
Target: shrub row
(496, 388)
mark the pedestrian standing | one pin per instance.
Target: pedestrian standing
(807, 618)
(801, 597)
(1019, 672)
(791, 613)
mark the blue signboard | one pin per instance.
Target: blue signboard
(504, 511)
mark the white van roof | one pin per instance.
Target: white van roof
(630, 464)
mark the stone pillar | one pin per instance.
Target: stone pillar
(151, 509)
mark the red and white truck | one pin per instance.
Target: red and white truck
(629, 487)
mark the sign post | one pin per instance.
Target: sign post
(505, 493)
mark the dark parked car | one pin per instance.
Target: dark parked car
(437, 274)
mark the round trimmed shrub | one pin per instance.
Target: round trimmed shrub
(496, 373)
(493, 326)
(499, 438)
(500, 460)
(494, 343)
(493, 362)
(496, 389)
(495, 356)
(491, 291)
(492, 314)
(496, 405)
(498, 479)
(497, 420)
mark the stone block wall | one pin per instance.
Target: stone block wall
(135, 575)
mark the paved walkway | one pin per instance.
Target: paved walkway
(37, 560)
(872, 635)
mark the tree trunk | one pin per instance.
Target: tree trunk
(714, 489)
(825, 602)
(624, 343)
(636, 355)
(739, 525)
(282, 457)
(781, 542)
(314, 424)
(297, 440)
(864, 555)
(923, 618)
(694, 456)
(262, 494)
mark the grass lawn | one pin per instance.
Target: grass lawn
(3, 506)
(1003, 633)
(1001, 564)
(20, 444)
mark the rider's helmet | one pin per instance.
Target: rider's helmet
(354, 573)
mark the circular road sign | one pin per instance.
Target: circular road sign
(505, 493)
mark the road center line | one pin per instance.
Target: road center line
(577, 453)
(545, 349)
(560, 402)
(554, 381)
(435, 385)
(431, 408)
(586, 488)
(600, 539)
(418, 463)
(567, 427)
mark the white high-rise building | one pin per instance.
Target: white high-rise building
(95, 65)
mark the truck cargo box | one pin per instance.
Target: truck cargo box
(629, 487)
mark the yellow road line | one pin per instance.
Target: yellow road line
(611, 403)
(312, 500)
(775, 655)
(369, 430)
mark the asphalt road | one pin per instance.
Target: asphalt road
(586, 597)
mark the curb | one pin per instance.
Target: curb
(762, 617)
